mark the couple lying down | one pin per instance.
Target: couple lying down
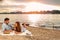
(17, 27)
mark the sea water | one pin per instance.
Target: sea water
(33, 19)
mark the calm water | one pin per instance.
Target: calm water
(41, 19)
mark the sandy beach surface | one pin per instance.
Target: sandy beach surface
(38, 34)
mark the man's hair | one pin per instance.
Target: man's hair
(6, 19)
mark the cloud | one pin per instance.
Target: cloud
(52, 2)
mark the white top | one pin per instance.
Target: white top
(23, 29)
(6, 27)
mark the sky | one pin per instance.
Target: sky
(51, 2)
(31, 5)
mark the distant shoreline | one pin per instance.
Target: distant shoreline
(17, 13)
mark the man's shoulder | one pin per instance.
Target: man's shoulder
(3, 24)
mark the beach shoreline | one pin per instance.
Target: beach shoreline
(38, 34)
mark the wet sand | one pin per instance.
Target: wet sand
(38, 34)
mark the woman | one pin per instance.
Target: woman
(17, 27)
(23, 27)
(27, 32)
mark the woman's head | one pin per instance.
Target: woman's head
(17, 23)
(24, 25)
(18, 27)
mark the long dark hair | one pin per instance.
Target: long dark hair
(18, 27)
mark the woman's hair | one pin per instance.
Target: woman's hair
(18, 27)
(23, 23)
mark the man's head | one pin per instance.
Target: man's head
(6, 20)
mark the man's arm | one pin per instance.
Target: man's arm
(4, 30)
(7, 31)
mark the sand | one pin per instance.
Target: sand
(38, 34)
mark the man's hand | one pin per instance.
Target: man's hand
(7, 31)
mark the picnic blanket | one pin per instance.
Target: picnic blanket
(26, 33)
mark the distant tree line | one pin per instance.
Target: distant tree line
(50, 12)
(11, 13)
(34, 12)
(55, 11)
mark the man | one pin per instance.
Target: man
(6, 27)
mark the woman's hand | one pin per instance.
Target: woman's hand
(17, 32)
